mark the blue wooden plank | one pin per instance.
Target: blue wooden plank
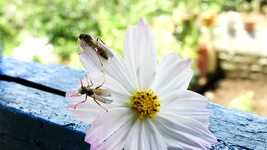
(19, 130)
(53, 75)
(25, 111)
(33, 119)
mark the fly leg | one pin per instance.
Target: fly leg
(101, 83)
(76, 105)
(81, 83)
(94, 98)
(91, 82)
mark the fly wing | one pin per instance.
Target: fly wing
(102, 92)
(102, 99)
(88, 56)
(104, 47)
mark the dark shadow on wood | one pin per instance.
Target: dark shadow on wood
(32, 84)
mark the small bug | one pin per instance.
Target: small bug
(98, 94)
(97, 45)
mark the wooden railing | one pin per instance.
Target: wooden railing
(33, 114)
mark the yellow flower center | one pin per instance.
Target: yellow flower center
(145, 103)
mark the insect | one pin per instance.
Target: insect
(98, 94)
(97, 45)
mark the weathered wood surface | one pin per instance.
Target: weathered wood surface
(34, 119)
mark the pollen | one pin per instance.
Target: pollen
(145, 103)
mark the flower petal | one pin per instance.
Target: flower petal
(108, 124)
(112, 66)
(115, 141)
(140, 54)
(186, 103)
(144, 136)
(184, 132)
(119, 93)
(117, 71)
(172, 73)
(183, 99)
(89, 59)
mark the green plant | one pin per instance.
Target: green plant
(62, 21)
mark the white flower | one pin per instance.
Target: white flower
(152, 108)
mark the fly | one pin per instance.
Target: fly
(97, 45)
(98, 94)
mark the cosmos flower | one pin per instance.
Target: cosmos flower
(152, 108)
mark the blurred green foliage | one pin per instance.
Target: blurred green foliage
(61, 21)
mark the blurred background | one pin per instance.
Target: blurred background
(226, 39)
